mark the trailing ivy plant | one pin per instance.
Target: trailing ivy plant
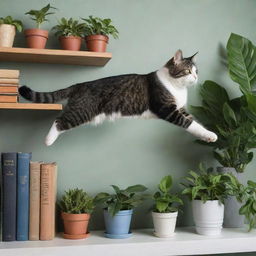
(122, 199)
(98, 26)
(233, 120)
(10, 21)
(40, 16)
(248, 208)
(207, 185)
(76, 201)
(165, 201)
(69, 27)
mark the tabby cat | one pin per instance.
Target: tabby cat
(161, 94)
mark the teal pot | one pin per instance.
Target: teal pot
(232, 218)
(118, 226)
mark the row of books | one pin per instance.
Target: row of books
(28, 198)
(9, 85)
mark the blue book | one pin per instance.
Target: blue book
(23, 160)
(9, 181)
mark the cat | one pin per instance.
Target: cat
(161, 94)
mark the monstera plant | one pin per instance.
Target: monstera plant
(233, 120)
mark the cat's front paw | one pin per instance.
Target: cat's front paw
(209, 137)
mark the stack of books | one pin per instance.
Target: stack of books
(28, 198)
(9, 84)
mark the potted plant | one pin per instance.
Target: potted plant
(207, 191)
(36, 37)
(70, 33)
(233, 120)
(8, 27)
(97, 31)
(248, 209)
(76, 207)
(118, 209)
(165, 210)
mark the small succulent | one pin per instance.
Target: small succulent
(76, 201)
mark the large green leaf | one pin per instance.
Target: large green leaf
(242, 62)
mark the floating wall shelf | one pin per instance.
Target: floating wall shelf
(36, 106)
(83, 58)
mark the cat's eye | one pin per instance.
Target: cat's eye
(188, 71)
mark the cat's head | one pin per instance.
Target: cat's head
(183, 70)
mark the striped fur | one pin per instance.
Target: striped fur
(161, 94)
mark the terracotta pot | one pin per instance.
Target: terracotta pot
(72, 43)
(75, 225)
(36, 38)
(7, 34)
(96, 43)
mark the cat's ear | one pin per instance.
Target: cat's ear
(177, 58)
(193, 57)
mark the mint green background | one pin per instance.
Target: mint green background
(128, 151)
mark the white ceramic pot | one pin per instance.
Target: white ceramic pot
(208, 217)
(7, 34)
(164, 223)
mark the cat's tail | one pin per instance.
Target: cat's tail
(44, 97)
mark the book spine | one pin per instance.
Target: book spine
(48, 201)
(23, 196)
(8, 98)
(8, 89)
(34, 212)
(9, 73)
(9, 81)
(9, 178)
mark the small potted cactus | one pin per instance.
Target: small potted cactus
(97, 31)
(8, 27)
(118, 209)
(70, 33)
(36, 37)
(165, 210)
(76, 206)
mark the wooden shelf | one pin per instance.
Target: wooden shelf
(142, 242)
(83, 58)
(36, 106)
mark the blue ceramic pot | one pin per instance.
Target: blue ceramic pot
(118, 224)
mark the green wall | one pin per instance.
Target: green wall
(128, 151)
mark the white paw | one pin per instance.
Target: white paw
(49, 140)
(209, 137)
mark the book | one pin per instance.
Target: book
(48, 200)
(23, 160)
(2, 84)
(9, 179)
(9, 89)
(8, 98)
(34, 208)
(9, 73)
(9, 81)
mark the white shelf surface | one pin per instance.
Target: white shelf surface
(142, 243)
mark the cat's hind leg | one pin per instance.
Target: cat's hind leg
(53, 134)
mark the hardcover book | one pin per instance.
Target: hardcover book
(9, 73)
(8, 98)
(23, 160)
(9, 89)
(9, 179)
(34, 212)
(48, 201)
(9, 81)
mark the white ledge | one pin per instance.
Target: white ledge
(185, 242)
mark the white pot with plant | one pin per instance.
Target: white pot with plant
(165, 209)
(207, 190)
(8, 27)
(70, 33)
